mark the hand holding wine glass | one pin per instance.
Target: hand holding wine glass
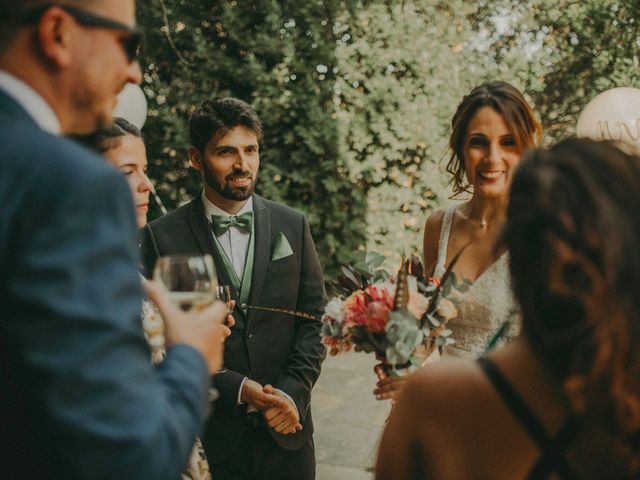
(192, 317)
(224, 295)
(190, 279)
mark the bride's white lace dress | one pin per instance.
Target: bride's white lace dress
(482, 309)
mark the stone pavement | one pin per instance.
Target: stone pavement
(348, 419)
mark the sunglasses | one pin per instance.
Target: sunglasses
(130, 44)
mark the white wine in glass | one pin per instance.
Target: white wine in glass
(191, 280)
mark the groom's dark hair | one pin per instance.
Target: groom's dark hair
(215, 117)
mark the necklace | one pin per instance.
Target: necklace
(484, 223)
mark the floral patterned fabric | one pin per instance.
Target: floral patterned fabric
(197, 467)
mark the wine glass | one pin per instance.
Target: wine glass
(224, 295)
(190, 279)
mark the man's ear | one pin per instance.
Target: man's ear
(195, 157)
(55, 37)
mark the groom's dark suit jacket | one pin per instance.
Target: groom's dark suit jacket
(271, 348)
(78, 395)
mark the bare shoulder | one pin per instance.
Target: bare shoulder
(429, 428)
(431, 238)
(423, 436)
(450, 388)
(434, 221)
(449, 375)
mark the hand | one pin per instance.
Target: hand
(283, 420)
(254, 394)
(388, 386)
(202, 330)
(230, 320)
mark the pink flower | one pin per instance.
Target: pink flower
(376, 316)
(369, 308)
(380, 295)
(338, 344)
(446, 309)
(355, 306)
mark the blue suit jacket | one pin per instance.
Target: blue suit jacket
(78, 395)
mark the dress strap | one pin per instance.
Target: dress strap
(552, 458)
(445, 231)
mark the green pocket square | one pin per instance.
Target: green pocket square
(281, 248)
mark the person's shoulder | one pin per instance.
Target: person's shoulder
(450, 387)
(449, 371)
(431, 238)
(30, 153)
(433, 224)
(279, 208)
(174, 216)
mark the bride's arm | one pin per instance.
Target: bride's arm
(430, 241)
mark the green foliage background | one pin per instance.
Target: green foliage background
(356, 96)
(280, 58)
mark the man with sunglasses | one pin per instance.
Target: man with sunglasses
(78, 395)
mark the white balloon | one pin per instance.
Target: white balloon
(132, 105)
(612, 115)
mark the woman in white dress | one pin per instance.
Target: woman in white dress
(491, 129)
(122, 145)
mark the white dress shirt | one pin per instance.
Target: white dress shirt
(234, 242)
(36, 106)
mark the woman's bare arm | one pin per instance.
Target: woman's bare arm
(430, 241)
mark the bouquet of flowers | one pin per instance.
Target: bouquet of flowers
(401, 318)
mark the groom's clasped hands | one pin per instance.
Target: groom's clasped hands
(279, 411)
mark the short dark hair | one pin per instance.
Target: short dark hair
(215, 117)
(509, 102)
(573, 231)
(108, 137)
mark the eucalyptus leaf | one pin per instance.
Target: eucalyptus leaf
(433, 321)
(351, 276)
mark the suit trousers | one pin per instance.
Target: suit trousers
(259, 457)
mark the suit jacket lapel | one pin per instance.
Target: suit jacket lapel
(204, 237)
(262, 248)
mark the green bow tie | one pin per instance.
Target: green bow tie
(221, 223)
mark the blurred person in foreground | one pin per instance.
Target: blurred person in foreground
(562, 400)
(79, 397)
(122, 145)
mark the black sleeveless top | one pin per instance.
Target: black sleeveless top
(552, 448)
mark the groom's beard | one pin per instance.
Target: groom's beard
(226, 189)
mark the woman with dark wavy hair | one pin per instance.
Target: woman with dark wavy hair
(563, 399)
(491, 129)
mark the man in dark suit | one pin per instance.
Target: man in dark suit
(263, 250)
(78, 395)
